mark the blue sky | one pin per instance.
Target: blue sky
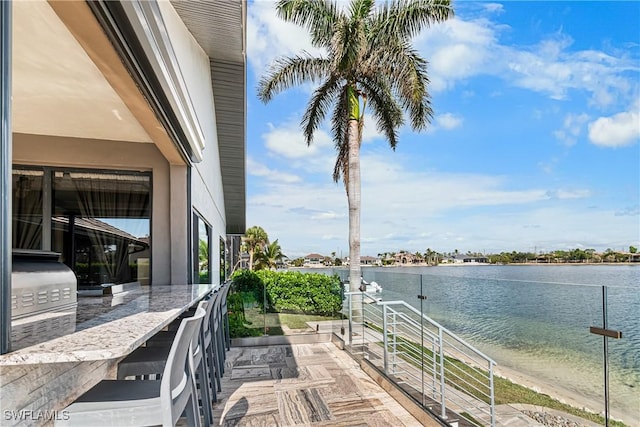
(534, 144)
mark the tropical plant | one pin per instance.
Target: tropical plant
(255, 238)
(369, 60)
(268, 257)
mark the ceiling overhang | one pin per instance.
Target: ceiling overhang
(220, 29)
(82, 73)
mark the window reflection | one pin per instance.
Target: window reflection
(204, 252)
(100, 225)
(223, 261)
(27, 197)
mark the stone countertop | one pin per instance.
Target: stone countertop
(112, 326)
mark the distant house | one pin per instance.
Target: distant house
(369, 260)
(470, 259)
(404, 258)
(313, 259)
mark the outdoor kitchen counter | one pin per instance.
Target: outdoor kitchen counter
(110, 327)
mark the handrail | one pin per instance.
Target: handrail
(422, 353)
(433, 322)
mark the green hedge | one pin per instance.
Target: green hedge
(292, 291)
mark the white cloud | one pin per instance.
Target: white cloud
(564, 194)
(407, 209)
(269, 37)
(327, 215)
(369, 130)
(493, 7)
(257, 169)
(448, 121)
(571, 128)
(458, 50)
(616, 131)
(287, 141)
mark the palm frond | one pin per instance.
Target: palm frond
(360, 9)
(385, 109)
(287, 72)
(407, 72)
(406, 18)
(320, 102)
(340, 123)
(319, 17)
(347, 45)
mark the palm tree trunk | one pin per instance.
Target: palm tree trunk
(354, 198)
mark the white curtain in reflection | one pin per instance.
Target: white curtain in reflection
(104, 196)
(27, 209)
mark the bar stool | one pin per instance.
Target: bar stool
(151, 359)
(211, 343)
(143, 403)
(225, 316)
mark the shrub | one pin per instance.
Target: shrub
(237, 320)
(309, 293)
(292, 291)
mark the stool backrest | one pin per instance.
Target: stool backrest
(178, 378)
(225, 292)
(206, 325)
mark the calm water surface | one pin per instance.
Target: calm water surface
(536, 319)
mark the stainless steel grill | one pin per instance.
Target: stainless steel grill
(40, 284)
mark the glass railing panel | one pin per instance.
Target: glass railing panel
(623, 354)
(288, 303)
(534, 321)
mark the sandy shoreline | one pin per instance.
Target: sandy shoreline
(566, 396)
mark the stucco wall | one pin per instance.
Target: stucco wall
(207, 195)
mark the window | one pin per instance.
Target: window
(27, 208)
(223, 260)
(98, 221)
(201, 250)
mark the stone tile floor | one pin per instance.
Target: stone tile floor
(302, 385)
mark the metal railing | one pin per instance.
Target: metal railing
(445, 374)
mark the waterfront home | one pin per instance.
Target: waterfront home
(123, 152)
(465, 259)
(313, 260)
(369, 260)
(404, 258)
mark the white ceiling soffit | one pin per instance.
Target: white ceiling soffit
(217, 25)
(57, 90)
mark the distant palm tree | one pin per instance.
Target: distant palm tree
(370, 59)
(255, 238)
(269, 256)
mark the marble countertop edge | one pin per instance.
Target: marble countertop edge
(111, 340)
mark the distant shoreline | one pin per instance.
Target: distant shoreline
(478, 264)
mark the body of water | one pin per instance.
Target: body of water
(535, 320)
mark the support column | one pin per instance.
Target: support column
(5, 176)
(179, 225)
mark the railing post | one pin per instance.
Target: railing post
(434, 368)
(395, 340)
(350, 305)
(493, 406)
(385, 341)
(442, 384)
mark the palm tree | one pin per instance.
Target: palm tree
(269, 256)
(255, 238)
(370, 60)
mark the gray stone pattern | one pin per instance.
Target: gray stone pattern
(302, 385)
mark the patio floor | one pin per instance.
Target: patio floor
(302, 384)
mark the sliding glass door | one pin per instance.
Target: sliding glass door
(99, 221)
